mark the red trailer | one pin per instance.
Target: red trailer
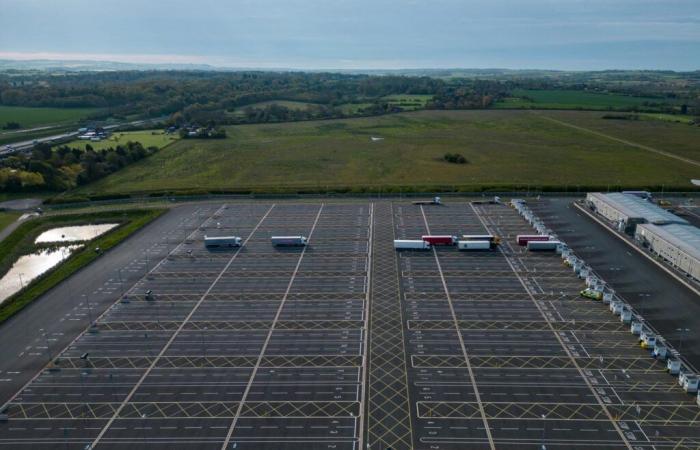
(523, 239)
(440, 239)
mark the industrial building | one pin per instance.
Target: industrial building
(628, 210)
(679, 244)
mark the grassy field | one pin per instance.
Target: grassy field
(563, 99)
(148, 138)
(678, 138)
(667, 117)
(21, 241)
(504, 148)
(34, 117)
(408, 102)
(7, 217)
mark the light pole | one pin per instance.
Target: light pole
(682, 331)
(48, 345)
(544, 424)
(21, 283)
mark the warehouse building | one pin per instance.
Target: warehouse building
(679, 244)
(628, 210)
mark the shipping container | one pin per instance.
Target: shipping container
(542, 246)
(222, 241)
(288, 241)
(440, 239)
(473, 245)
(407, 244)
(523, 239)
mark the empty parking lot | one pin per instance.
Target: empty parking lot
(348, 344)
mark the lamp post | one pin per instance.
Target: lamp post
(544, 422)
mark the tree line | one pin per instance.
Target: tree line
(62, 168)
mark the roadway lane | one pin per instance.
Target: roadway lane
(63, 313)
(663, 301)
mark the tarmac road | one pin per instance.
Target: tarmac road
(663, 301)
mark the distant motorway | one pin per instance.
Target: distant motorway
(21, 146)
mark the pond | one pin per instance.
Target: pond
(28, 267)
(74, 233)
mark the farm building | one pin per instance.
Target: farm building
(628, 210)
(679, 244)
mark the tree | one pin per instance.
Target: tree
(12, 126)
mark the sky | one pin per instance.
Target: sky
(359, 34)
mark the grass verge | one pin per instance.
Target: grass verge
(21, 240)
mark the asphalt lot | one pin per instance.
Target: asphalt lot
(348, 344)
(49, 324)
(662, 300)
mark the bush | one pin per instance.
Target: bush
(455, 158)
(12, 126)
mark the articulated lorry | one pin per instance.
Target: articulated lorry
(288, 241)
(222, 241)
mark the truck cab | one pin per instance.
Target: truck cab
(690, 383)
(648, 339)
(626, 315)
(673, 366)
(660, 350)
(635, 327)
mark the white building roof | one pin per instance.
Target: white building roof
(685, 237)
(636, 207)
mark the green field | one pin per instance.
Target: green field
(504, 148)
(7, 217)
(678, 138)
(35, 117)
(667, 117)
(147, 138)
(566, 99)
(408, 102)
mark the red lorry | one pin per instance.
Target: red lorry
(523, 239)
(440, 239)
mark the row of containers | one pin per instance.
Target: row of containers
(533, 242)
(597, 289)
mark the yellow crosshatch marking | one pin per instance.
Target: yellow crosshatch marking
(363, 347)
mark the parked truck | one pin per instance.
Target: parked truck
(494, 240)
(411, 244)
(222, 241)
(535, 246)
(288, 241)
(440, 239)
(434, 201)
(523, 239)
(474, 245)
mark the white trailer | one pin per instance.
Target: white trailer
(494, 240)
(222, 241)
(473, 245)
(288, 241)
(542, 246)
(411, 244)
